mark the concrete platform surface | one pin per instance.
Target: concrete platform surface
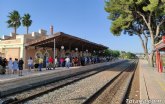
(13, 83)
(152, 84)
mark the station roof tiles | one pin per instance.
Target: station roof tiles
(65, 40)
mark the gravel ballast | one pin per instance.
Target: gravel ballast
(78, 92)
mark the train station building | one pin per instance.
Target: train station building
(41, 44)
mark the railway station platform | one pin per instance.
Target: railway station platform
(152, 83)
(14, 83)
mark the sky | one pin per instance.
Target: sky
(86, 19)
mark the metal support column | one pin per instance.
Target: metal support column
(82, 49)
(70, 50)
(159, 62)
(54, 53)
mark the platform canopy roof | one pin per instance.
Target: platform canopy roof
(66, 40)
(161, 45)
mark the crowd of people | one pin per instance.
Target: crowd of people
(74, 61)
(16, 66)
(10, 66)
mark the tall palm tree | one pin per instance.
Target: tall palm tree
(14, 20)
(26, 22)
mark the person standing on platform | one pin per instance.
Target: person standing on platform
(40, 63)
(83, 61)
(67, 62)
(36, 63)
(10, 66)
(4, 63)
(61, 62)
(56, 62)
(20, 65)
(15, 66)
(1, 61)
(76, 61)
(73, 62)
(1, 68)
(51, 65)
(30, 63)
(47, 63)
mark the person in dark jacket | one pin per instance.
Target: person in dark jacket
(1, 68)
(3, 64)
(82, 61)
(0, 60)
(20, 65)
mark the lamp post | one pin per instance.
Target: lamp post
(86, 52)
(104, 53)
(99, 53)
(94, 52)
(62, 47)
(76, 52)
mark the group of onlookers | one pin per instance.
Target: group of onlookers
(16, 66)
(51, 63)
(36, 64)
(13, 66)
(79, 61)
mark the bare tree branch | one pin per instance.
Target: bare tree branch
(158, 28)
(142, 17)
(149, 18)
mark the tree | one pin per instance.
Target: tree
(107, 52)
(140, 30)
(26, 22)
(130, 55)
(14, 20)
(127, 55)
(124, 20)
(150, 12)
(115, 53)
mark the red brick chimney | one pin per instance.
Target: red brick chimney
(51, 30)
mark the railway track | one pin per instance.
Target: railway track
(78, 92)
(35, 92)
(114, 92)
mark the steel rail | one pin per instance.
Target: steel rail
(98, 93)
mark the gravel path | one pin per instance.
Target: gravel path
(78, 92)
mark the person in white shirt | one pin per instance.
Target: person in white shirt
(30, 63)
(56, 62)
(10, 66)
(67, 62)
